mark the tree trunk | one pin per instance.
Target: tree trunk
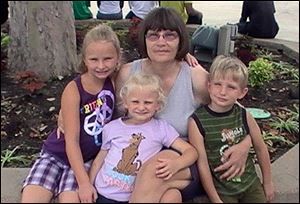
(43, 38)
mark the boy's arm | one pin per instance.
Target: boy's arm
(196, 139)
(262, 155)
(70, 112)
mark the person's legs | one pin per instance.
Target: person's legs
(243, 28)
(195, 187)
(229, 199)
(115, 16)
(254, 194)
(36, 194)
(68, 197)
(130, 15)
(171, 196)
(150, 188)
(102, 199)
(68, 187)
(41, 183)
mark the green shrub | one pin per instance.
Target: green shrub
(5, 39)
(260, 71)
(290, 125)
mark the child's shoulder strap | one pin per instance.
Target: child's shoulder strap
(77, 80)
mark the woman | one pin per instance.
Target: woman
(164, 42)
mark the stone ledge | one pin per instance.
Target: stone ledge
(285, 174)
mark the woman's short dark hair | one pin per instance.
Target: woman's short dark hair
(163, 18)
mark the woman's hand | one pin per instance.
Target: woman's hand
(191, 60)
(234, 161)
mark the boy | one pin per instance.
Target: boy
(215, 127)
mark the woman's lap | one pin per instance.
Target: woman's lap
(187, 180)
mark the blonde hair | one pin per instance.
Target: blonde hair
(99, 33)
(224, 66)
(144, 81)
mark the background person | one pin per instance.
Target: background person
(81, 10)
(110, 10)
(262, 22)
(139, 9)
(186, 11)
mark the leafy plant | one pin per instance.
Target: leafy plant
(265, 54)
(290, 125)
(286, 69)
(295, 114)
(260, 71)
(270, 137)
(5, 40)
(8, 156)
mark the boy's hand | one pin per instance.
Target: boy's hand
(269, 191)
(165, 168)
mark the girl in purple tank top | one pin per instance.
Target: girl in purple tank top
(87, 104)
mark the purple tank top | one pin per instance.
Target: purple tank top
(95, 111)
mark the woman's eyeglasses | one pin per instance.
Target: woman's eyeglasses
(168, 36)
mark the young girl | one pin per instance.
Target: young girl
(222, 123)
(87, 104)
(130, 141)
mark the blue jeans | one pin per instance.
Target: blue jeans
(113, 16)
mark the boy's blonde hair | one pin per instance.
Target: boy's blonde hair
(223, 67)
(144, 81)
(98, 33)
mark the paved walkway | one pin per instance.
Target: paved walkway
(219, 13)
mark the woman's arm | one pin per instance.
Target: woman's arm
(122, 76)
(199, 82)
(234, 159)
(196, 139)
(71, 121)
(263, 157)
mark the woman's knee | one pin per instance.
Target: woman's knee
(171, 196)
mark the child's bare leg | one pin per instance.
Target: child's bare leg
(171, 196)
(35, 194)
(68, 197)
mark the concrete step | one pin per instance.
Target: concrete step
(285, 174)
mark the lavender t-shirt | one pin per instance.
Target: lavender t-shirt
(129, 146)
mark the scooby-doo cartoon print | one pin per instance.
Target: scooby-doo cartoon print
(126, 165)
